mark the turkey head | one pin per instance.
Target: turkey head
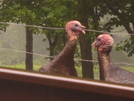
(73, 28)
(104, 42)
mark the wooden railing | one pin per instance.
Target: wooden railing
(20, 85)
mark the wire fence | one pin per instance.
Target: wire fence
(54, 28)
(76, 59)
(47, 56)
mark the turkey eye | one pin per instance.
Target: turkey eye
(76, 25)
(98, 39)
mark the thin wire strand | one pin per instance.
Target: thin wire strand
(54, 28)
(20, 51)
(123, 63)
(37, 54)
(35, 26)
(84, 60)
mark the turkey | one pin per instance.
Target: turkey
(110, 71)
(63, 64)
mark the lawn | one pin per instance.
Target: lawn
(79, 69)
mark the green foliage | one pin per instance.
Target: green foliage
(101, 15)
(127, 46)
(122, 14)
(39, 12)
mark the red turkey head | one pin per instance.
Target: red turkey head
(103, 42)
(73, 28)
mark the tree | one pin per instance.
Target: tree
(36, 12)
(29, 49)
(85, 41)
(90, 14)
(122, 14)
(24, 12)
(54, 13)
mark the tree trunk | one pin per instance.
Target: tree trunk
(52, 44)
(96, 18)
(85, 42)
(29, 48)
(86, 53)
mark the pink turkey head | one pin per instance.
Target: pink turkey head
(73, 28)
(103, 42)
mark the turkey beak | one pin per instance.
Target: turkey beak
(82, 29)
(94, 45)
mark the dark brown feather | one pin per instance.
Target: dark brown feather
(110, 71)
(63, 64)
(113, 73)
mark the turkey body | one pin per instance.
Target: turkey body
(113, 73)
(110, 71)
(63, 63)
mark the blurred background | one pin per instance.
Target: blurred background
(27, 43)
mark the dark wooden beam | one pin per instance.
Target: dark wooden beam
(20, 85)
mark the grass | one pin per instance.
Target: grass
(36, 67)
(79, 69)
(131, 69)
(21, 66)
(96, 72)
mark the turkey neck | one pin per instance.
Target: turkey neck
(104, 62)
(69, 49)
